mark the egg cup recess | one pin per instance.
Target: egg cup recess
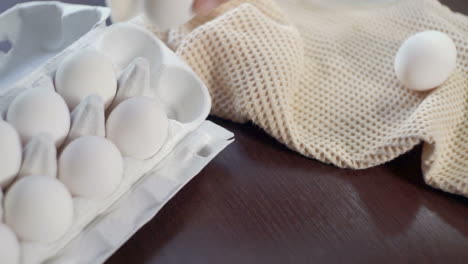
(125, 42)
(39, 31)
(184, 96)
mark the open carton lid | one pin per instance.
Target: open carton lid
(36, 32)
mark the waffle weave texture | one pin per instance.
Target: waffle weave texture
(319, 78)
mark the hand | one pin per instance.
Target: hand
(203, 7)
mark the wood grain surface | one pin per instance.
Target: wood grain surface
(258, 202)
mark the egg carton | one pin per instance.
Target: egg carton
(41, 35)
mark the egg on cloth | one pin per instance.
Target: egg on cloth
(10, 153)
(425, 60)
(38, 209)
(91, 167)
(39, 110)
(9, 246)
(84, 73)
(138, 127)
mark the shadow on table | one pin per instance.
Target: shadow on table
(393, 194)
(406, 196)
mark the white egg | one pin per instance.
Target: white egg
(425, 60)
(138, 126)
(85, 73)
(38, 111)
(10, 153)
(167, 14)
(123, 10)
(91, 167)
(9, 246)
(38, 209)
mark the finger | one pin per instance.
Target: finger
(203, 7)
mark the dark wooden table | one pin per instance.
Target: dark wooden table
(261, 203)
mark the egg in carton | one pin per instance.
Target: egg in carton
(129, 102)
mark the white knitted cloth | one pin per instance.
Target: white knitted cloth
(320, 79)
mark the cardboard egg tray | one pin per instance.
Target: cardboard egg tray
(41, 35)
